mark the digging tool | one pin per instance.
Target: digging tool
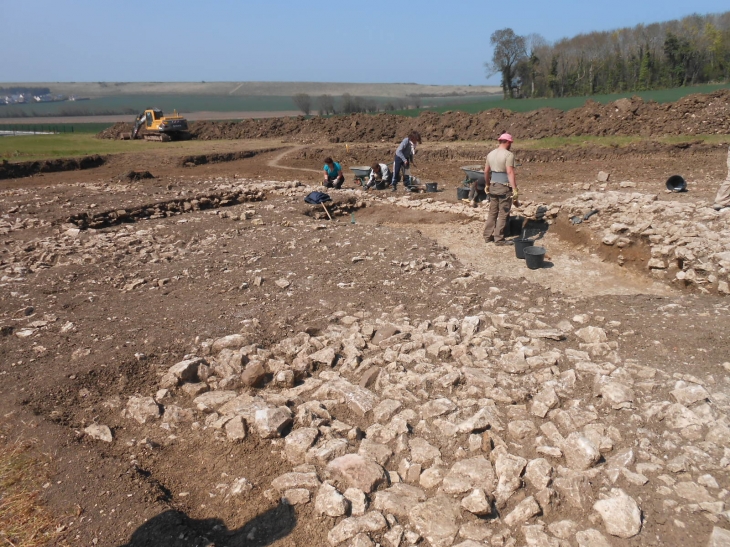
(326, 211)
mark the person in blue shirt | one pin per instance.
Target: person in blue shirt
(404, 158)
(333, 177)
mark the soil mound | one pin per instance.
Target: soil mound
(133, 176)
(28, 168)
(694, 115)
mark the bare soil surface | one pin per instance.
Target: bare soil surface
(699, 114)
(92, 318)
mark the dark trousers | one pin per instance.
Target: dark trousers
(397, 166)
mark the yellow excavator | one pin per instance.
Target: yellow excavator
(153, 125)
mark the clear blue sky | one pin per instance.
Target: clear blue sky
(427, 41)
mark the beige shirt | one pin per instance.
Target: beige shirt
(499, 159)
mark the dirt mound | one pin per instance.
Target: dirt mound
(693, 115)
(202, 159)
(28, 168)
(133, 176)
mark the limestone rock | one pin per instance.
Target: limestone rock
(236, 429)
(580, 453)
(357, 472)
(99, 432)
(436, 520)
(468, 474)
(271, 422)
(620, 513)
(525, 510)
(591, 538)
(143, 409)
(351, 527)
(477, 503)
(719, 538)
(296, 496)
(298, 442)
(253, 375)
(592, 335)
(330, 502)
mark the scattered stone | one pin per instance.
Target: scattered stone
(99, 432)
(272, 422)
(436, 520)
(350, 527)
(524, 511)
(620, 513)
(330, 502)
(477, 503)
(143, 409)
(357, 472)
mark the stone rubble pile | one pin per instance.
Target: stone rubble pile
(688, 242)
(497, 429)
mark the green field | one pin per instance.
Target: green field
(36, 147)
(568, 103)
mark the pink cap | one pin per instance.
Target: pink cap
(506, 137)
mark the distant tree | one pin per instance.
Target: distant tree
(326, 105)
(303, 102)
(509, 49)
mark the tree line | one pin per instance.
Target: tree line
(349, 104)
(688, 51)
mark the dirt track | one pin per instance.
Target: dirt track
(94, 318)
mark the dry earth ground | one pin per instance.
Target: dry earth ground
(91, 318)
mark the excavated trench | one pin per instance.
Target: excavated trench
(576, 263)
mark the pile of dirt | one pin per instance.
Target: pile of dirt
(698, 114)
(28, 168)
(133, 176)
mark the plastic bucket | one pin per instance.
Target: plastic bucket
(676, 183)
(521, 245)
(462, 193)
(382, 185)
(432, 186)
(534, 257)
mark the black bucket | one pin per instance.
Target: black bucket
(462, 193)
(534, 257)
(382, 185)
(521, 245)
(432, 186)
(676, 183)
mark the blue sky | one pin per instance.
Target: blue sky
(427, 41)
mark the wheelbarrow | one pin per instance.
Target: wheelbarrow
(362, 174)
(473, 173)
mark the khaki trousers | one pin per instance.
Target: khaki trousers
(723, 193)
(500, 204)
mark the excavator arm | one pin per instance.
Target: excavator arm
(138, 124)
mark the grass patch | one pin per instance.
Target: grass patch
(569, 103)
(37, 147)
(24, 520)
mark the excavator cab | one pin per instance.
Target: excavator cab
(160, 128)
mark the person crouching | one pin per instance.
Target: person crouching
(379, 173)
(501, 185)
(333, 177)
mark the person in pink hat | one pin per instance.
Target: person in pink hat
(499, 174)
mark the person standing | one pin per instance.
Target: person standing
(722, 199)
(333, 177)
(501, 185)
(404, 156)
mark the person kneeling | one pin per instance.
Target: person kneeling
(379, 173)
(333, 177)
